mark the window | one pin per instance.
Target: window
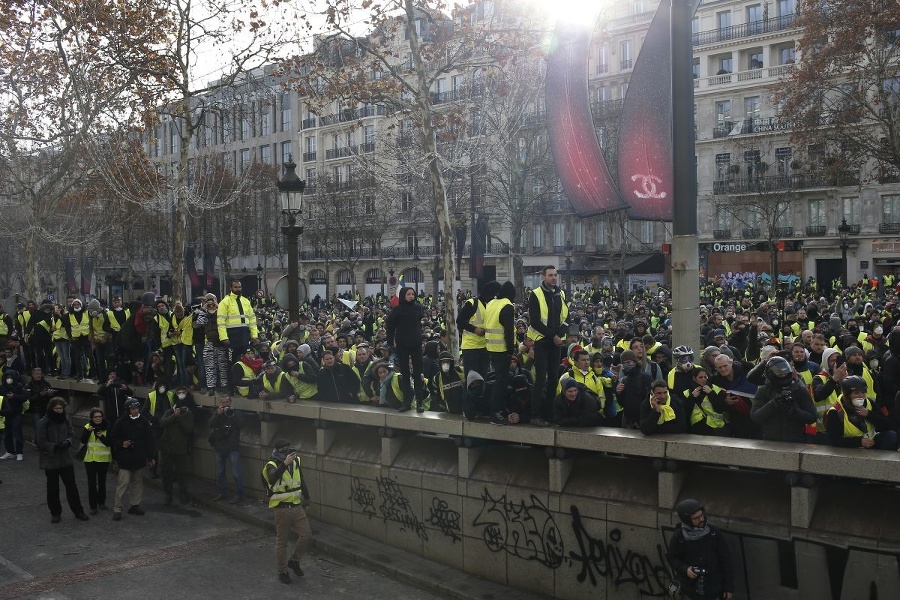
(785, 8)
(603, 94)
(817, 215)
(285, 112)
(723, 162)
(559, 234)
(286, 152)
(726, 65)
(755, 60)
(723, 217)
(603, 60)
(337, 175)
(405, 202)
(891, 208)
(851, 209)
(723, 111)
(173, 138)
(816, 154)
(695, 25)
(310, 144)
(753, 217)
(245, 158)
(369, 204)
(723, 20)
(265, 118)
(751, 107)
(783, 160)
(265, 154)
(579, 233)
(311, 175)
(754, 19)
(647, 230)
(783, 215)
(695, 68)
(891, 88)
(412, 243)
(246, 121)
(369, 134)
(786, 56)
(625, 55)
(537, 239)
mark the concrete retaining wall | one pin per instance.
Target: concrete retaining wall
(584, 513)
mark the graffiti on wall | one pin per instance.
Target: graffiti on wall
(395, 507)
(445, 518)
(610, 560)
(523, 529)
(362, 496)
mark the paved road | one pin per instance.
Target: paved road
(172, 552)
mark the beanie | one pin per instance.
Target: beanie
(569, 383)
(628, 355)
(304, 349)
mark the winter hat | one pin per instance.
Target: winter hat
(569, 383)
(507, 290)
(211, 297)
(148, 299)
(304, 349)
(628, 355)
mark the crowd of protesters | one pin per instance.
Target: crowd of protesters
(791, 362)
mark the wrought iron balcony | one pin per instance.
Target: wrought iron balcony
(626, 64)
(308, 123)
(309, 156)
(783, 232)
(889, 228)
(749, 233)
(743, 30)
(816, 230)
(722, 234)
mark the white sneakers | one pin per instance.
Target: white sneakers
(7, 456)
(20, 457)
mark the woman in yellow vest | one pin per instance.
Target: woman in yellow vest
(61, 342)
(97, 457)
(854, 422)
(705, 406)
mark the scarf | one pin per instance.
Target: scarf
(692, 534)
(666, 413)
(254, 363)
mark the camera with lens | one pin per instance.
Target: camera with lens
(228, 411)
(700, 582)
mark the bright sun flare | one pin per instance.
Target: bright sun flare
(583, 12)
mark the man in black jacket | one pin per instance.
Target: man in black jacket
(783, 406)
(336, 381)
(225, 438)
(632, 389)
(699, 556)
(133, 447)
(547, 311)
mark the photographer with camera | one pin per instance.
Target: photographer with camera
(174, 445)
(134, 448)
(783, 406)
(287, 493)
(225, 438)
(699, 556)
(54, 440)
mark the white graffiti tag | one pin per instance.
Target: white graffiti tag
(648, 183)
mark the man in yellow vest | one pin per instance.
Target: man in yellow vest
(471, 326)
(547, 312)
(236, 322)
(80, 330)
(500, 335)
(287, 493)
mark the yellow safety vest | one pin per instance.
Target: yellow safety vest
(248, 374)
(81, 329)
(705, 411)
(165, 324)
(152, 396)
(470, 341)
(229, 316)
(851, 430)
(2, 418)
(97, 451)
(545, 311)
(279, 381)
(302, 389)
(59, 330)
(495, 341)
(288, 488)
(101, 336)
(186, 328)
(870, 383)
(823, 406)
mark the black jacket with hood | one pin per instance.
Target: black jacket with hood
(404, 322)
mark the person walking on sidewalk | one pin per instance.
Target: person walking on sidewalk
(97, 457)
(54, 438)
(134, 448)
(287, 492)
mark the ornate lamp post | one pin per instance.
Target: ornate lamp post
(568, 271)
(416, 260)
(291, 187)
(844, 234)
(259, 276)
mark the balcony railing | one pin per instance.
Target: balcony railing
(744, 30)
(749, 233)
(816, 230)
(371, 111)
(722, 234)
(797, 181)
(759, 125)
(308, 123)
(889, 228)
(602, 68)
(404, 252)
(766, 73)
(367, 147)
(784, 232)
(624, 65)
(854, 229)
(605, 108)
(342, 152)
(309, 156)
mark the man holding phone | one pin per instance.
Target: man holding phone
(174, 445)
(287, 493)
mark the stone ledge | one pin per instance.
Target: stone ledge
(856, 463)
(772, 456)
(609, 439)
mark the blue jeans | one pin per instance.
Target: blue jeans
(182, 354)
(234, 457)
(64, 351)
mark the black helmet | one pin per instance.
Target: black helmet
(853, 383)
(445, 356)
(779, 371)
(686, 508)
(132, 403)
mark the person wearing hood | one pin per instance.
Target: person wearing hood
(54, 440)
(826, 386)
(14, 398)
(478, 396)
(448, 386)
(632, 387)
(97, 457)
(699, 556)
(855, 422)
(274, 384)
(79, 332)
(174, 446)
(37, 332)
(500, 335)
(574, 406)
(7, 327)
(288, 493)
(470, 323)
(134, 447)
(306, 374)
(404, 334)
(856, 366)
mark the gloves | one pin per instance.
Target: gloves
(62, 445)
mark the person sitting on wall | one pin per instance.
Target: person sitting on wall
(478, 396)
(575, 406)
(854, 422)
(448, 385)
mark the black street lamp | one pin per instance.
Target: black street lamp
(568, 271)
(416, 260)
(291, 189)
(844, 234)
(259, 276)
